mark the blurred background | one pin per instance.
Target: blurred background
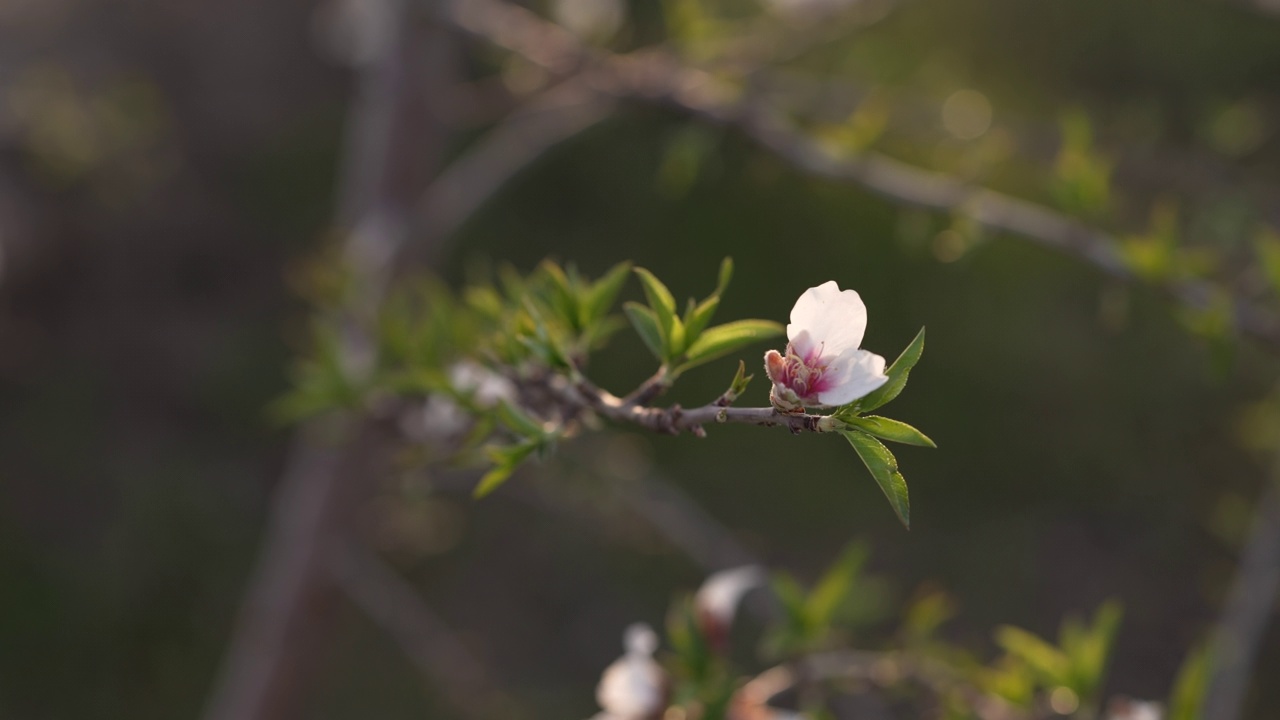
(168, 171)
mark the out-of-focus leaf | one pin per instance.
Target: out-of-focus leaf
(1186, 701)
(1050, 664)
(659, 297)
(834, 587)
(884, 468)
(518, 420)
(726, 274)
(926, 615)
(506, 460)
(1089, 649)
(603, 293)
(646, 324)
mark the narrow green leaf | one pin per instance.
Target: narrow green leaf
(506, 460)
(1186, 702)
(492, 480)
(645, 321)
(791, 595)
(518, 420)
(1050, 663)
(740, 380)
(561, 295)
(1090, 650)
(884, 468)
(724, 339)
(833, 590)
(604, 292)
(660, 298)
(897, 373)
(677, 340)
(726, 274)
(892, 430)
(697, 319)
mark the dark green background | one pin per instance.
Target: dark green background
(145, 325)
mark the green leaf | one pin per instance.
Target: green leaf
(697, 319)
(926, 615)
(564, 297)
(1050, 663)
(884, 468)
(1186, 702)
(897, 373)
(724, 339)
(740, 381)
(506, 460)
(891, 430)
(726, 274)
(834, 588)
(518, 420)
(660, 299)
(1089, 649)
(791, 596)
(645, 321)
(604, 292)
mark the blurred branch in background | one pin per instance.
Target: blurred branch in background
(1249, 609)
(544, 120)
(384, 203)
(392, 603)
(392, 139)
(394, 132)
(658, 75)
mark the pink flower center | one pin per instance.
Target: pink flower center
(805, 376)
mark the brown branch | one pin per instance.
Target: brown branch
(674, 419)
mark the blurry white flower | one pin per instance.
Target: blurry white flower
(823, 364)
(442, 416)
(485, 387)
(1127, 709)
(596, 20)
(719, 596)
(634, 687)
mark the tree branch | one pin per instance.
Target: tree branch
(397, 608)
(674, 419)
(1248, 610)
(658, 75)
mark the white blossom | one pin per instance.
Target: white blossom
(823, 364)
(633, 687)
(719, 596)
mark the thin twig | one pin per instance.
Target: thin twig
(674, 419)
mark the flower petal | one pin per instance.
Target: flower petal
(634, 685)
(835, 320)
(719, 595)
(852, 375)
